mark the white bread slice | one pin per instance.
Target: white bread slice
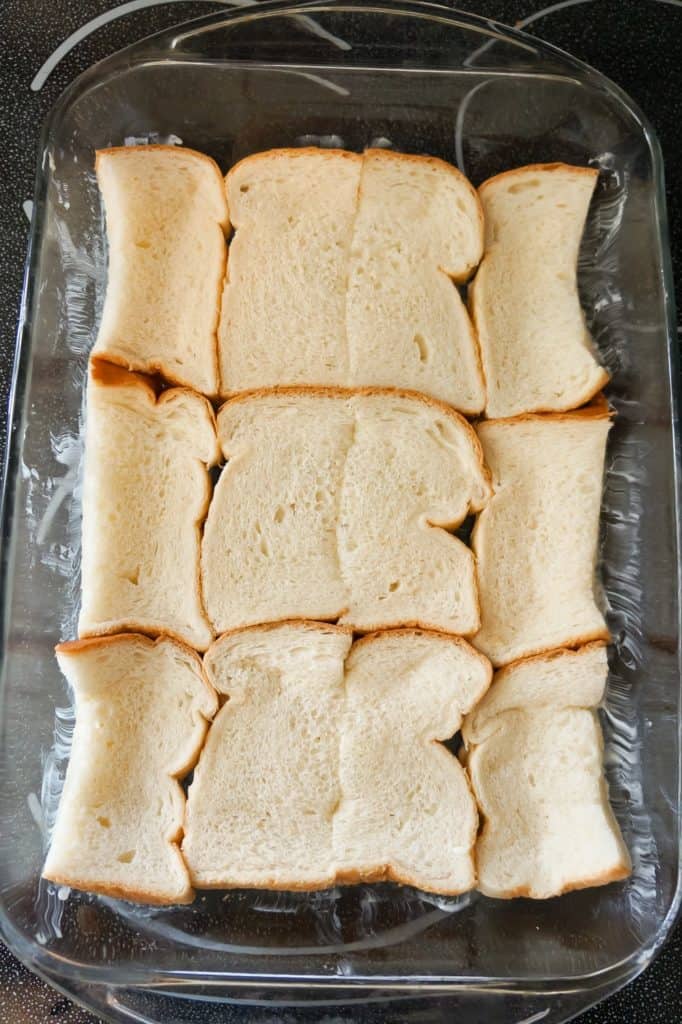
(260, 806)
(341, 272)
(536, 349)
(329, 508)
(146, 489)
(284, 302)
(419, 228)
(413, 471)
(536, 542)
(142, 710)
(535, 761)
(406, 811)
(166, 216)
(312, 775)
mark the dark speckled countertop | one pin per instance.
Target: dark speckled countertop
(637, 43)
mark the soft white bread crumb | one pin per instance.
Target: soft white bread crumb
(341, 272)
(329, 506)
(406, 811)
(142, 709)
(536, 349)
(418, 227)
(535, 761)
(166, 216)
(145, 494)
(260, 806)
(284, 302)
(313, 774)
(536, 541)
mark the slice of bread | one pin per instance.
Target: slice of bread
(166, 216)
(146, 490)
(536, 349)
(331, 506)
(406, 812)
(535, 760)
(536, 542)
(284, 303)
(142, 710)
(341, 272)
(418, 228)
(313, 773)
(264, 793)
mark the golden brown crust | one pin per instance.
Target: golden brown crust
(616, 874)
(286, 153)
(107, 373)
(154, 367)
(570, 643)
(127, 151)
(121, 892)
(128, 627)
(553, 654)
(516, 172)
(595, 406)
(324, 391)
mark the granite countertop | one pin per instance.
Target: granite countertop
(637, 43)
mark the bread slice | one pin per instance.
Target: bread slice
(418, 228)
(166, 216)
(406, 811)
(146, 489)
(331, 507)
(536, 542)
(261, 804)
(535, 761)
(142, 710)
(313, 773)
(341, 272)
(536, 349)
(284, 302)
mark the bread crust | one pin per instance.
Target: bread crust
(517, 172)
(108, 373)
(596, 409)
(122, 892)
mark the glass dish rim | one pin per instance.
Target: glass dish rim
(161, 47)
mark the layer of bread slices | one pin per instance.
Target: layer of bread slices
(166, 216)
(314, 772)
(146, 490)
(537, 352)
(406, 811)
(341, 273)
(331, 506)
(142, 710)
(536, 541)
(535, 761)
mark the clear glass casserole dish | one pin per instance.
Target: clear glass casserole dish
(421, 78)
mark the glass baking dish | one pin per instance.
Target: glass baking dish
(421, 78)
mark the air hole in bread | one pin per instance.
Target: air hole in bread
(127, 857)
(422, 347)
(279, 514)
(143, 244)
(244, 188)
(133, 576)
(104, 822)
(523, 186)
(395, 585)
